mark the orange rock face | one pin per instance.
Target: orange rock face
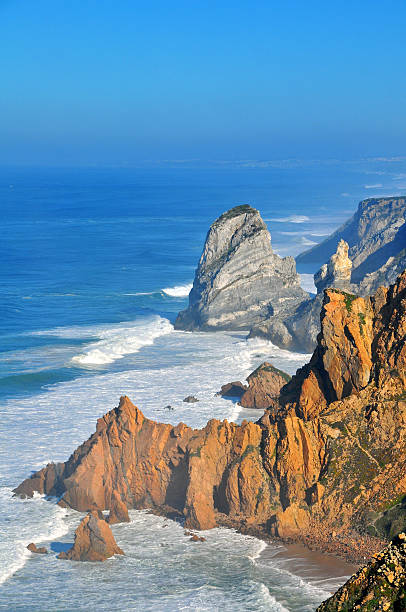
(94, 541)
(328, 458)
(118, 510)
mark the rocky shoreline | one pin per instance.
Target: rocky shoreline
(324, 466)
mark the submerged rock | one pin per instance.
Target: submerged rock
(94, 541)
(240, 281)
(190, 399)
(380, 585)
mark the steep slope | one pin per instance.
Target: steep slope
(326, 464)
(380, 585)
(240, 280)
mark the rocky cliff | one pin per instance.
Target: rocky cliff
(380, 585)
(326, 464)
(240, 281)
(376, 235)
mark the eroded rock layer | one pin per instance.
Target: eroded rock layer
(326, 464)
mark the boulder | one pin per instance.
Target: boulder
(190, 399)
(94, 541)
(34, 549)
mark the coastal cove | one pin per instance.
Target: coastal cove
(108, 280)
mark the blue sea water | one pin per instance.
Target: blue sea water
(95, 264)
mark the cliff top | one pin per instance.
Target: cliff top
(235, 212)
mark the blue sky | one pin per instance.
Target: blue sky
(121, 82)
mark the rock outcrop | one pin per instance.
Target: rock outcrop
(94, 541)
(264, 386)
(240, 281)
(324, 465)
(376, 235)
(337, 272)
(34, 549)
(380, 585)
(233, 389)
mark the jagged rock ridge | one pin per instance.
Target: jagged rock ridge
(326, 464)
(240, 280)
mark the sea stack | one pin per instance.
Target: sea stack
(240, 281)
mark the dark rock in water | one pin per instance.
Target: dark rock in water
(196, 538)
(169, 407)
(94, 541)
(240, 281)
(190, 399)
(34, 549)
(118, 510)
(380, 585)
(232, 389)
(265, 384)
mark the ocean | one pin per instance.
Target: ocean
(95, 264)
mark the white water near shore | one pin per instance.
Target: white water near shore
(165, 367)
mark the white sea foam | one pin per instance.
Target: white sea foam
(126, 339)
(35, 520)
(178, 290)
(290, 219)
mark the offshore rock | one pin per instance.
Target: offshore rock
(34, 549)
(233, 389)
(329, 457)
(376, 235)
(337, 272)
(304, 325)
(94, 541)
(380, 585)
(240, 281)
(264, 386)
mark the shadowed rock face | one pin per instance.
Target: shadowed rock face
(240, 281)
(94, 541)
(380, 585)
(329, 458)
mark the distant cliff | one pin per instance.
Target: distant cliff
(326, 464)
(240, 281)
(376, 235)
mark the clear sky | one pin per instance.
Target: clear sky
(124, 81)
